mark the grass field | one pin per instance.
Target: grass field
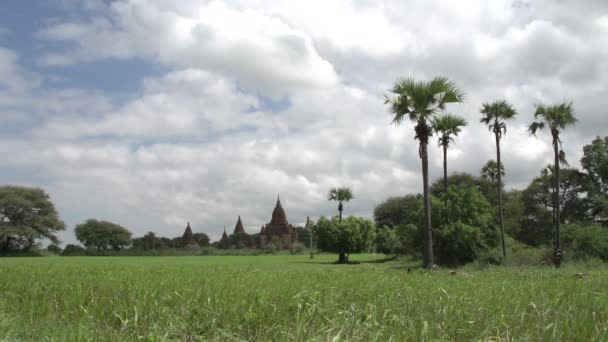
(265, 298)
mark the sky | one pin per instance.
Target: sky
(153, 113)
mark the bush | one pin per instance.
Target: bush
(583, 242)
(387, 241)
(53, 248)
(351, 235)
(73, 250)
(457, 244)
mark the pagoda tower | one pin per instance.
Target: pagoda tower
(239, 229)
(188, 238)
(278, 229)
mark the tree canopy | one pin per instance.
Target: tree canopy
(102, 235)
(26, 215)
(352, 235)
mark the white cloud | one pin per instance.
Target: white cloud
(200, 143)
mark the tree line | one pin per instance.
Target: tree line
(453, 221)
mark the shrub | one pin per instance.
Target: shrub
(73, 250)
(583, 242)
(53, 248)
(387, 241)
(457, 244)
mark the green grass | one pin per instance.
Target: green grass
(266, 298)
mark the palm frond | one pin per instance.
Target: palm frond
(562, 158)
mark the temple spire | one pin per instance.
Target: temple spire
(239, 229)
(188, 238)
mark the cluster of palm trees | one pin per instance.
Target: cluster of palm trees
(422, 102)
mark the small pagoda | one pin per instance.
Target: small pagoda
(188, 238)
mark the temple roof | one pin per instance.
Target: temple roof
(278, 214)
(239, 227)
(188, 234)
(224, 236)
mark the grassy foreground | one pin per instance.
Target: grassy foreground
(266, 298)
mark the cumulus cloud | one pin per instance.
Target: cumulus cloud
(208, 140)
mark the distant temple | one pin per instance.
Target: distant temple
(188, 238)
(278, 229)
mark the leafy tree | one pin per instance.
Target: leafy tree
(102, 235)
(240, 240)
(490, 170)
(495, 115)
(352, 235)
(73, 250)
(387, 241)
(461, 179)
(340, 195)
(201, 239)
(149, 242)
(514, 210)
(470, 213)
(53, 248)
(408, 209)
(420, 101)
(458, 243)
(447, 127)
(556, 118)
(539, 204)
(586, 241)
(595, 163)
(26, 215)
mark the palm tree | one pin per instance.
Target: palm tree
(420, 101)
(556, 118)
(447, 126)
(490, 170)
(495, 115)
(340, 195)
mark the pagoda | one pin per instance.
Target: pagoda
(278, 229)
(188, 238)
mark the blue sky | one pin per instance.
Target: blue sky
(154, 113)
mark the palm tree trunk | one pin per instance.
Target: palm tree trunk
(500, 212)
(428, 231)
(556, 179)
(445, 180)
(340, 208)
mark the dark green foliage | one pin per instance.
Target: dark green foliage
(352, 235)
(458, 243)
(514, 209)
(490, 170)
(240, 240)
(584, 241)
(201, 239)
(102, 235)
(408, 209)
(461, 179)
(538, 203)
(53, 248)
(595, 163)
(73, 250)
(471, 231)
(387, 241)
(26, 215)
(150, 242)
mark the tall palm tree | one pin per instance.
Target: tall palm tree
(420, 101)
(490, 170)
(447, 127)
(495, 115)
(556, 118)
(340, 195)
